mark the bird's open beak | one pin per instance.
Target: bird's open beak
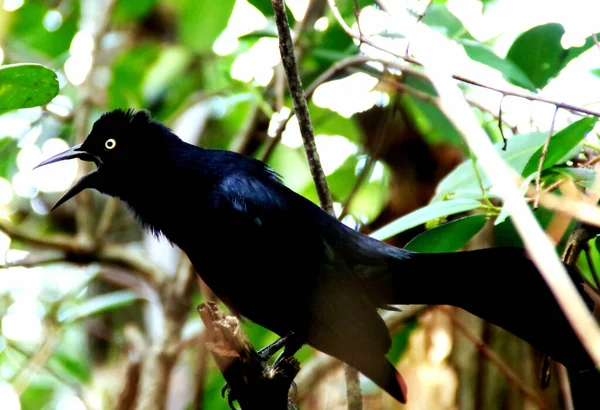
(87, 181)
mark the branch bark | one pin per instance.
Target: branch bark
(286, 48)
(253, 383)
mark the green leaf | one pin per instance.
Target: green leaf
(98, 305)
(484, 54)
(201, 22)
(595, 71)
(540, 55)
(29, 35)
(448, 237)
(74, 367)
(582, 176)
(342, 180)
(9, 149)
(425, 214)
(38, 394)
(538, 52)
(331, 123)
(561, 144)
(264, 6)
(463, 180)
(26, 85)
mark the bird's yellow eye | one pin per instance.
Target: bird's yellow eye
(110, 143)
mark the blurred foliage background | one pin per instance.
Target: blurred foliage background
(88, 300)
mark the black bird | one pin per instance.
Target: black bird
(279, 260)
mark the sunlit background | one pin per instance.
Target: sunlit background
(40, 134)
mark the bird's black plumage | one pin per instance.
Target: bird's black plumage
(278, 259)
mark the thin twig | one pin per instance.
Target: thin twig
(288, 59)
(30, 263)
(538, 178)
(58, 241)
(109, 253)
(357, 17)
(461, 78)
(38, 359)
(353, 393)
(500, 122)
(496, 115)
(129, 392)
(578, 209)
(326, 75)
(565, 386)
(494, 359)
(537, 243)
(559, 104)
(14, 346)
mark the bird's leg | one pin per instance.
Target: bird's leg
(267, 352)
(293, 343)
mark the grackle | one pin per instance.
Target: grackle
(278, 259)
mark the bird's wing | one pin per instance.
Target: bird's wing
(343, 320)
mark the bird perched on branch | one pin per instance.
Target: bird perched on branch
(281, 261)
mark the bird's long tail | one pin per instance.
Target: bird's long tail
(500, 285)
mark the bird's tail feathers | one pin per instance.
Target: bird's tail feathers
(500, 285)
(384, 374)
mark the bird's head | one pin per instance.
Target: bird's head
(120, 143)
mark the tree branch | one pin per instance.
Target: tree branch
(286, 48)
(253, 383)
(77, 250)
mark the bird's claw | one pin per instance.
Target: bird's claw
(230, 396)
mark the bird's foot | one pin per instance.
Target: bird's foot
(230, 396)
(264, 354)
(267, 352)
